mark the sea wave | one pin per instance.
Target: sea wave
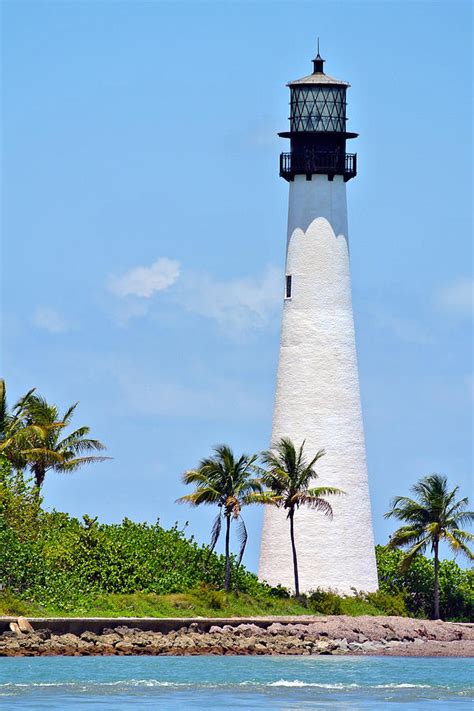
(296, 683)
(150, 683)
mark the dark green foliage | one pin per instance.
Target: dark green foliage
(20, 505)
(325, 602)
(388, 604)
(416, 585)
(21, 562)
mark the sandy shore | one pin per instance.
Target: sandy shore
(337, 635)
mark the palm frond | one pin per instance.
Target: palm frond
(326, 491)
(405, 536)
(412, 553)
(313, 502)
(243, 536)
(215, 533)
(266, 497)
(458, 545)
(69, 413)
(201, 496)
(70, 465)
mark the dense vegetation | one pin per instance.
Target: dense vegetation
(51, 563)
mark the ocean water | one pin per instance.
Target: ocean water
(123, 683)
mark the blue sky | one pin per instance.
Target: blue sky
(144, 229)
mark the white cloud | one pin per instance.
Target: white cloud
(237, 305)
(49, 319)
(458, 297)
(145, 281)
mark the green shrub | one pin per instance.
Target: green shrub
(387, 604)
(324, 602)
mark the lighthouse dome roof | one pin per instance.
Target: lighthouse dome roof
(318, 78)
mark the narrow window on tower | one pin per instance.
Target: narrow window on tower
(288, 286)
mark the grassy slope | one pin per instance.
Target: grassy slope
(195, 603)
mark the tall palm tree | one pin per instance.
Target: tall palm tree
(431, 516)
(289, 476)
(50, 450)
(229, 483)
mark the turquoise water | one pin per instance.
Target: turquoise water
(119, 683)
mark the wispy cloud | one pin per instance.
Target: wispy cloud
(49, 319)
(457, 297)
(146, 281)
(238, 306)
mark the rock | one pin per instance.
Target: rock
(125, 631)
(15, 628)
(24, 625)
(340, 646)
(68, 639)
(247, 630)
(43, 633)
(110, 639)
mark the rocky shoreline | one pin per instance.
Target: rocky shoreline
(395, 636)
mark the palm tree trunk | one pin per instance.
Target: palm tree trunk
(293, 548)
(39, 475)
(436, 581)
(227, 554)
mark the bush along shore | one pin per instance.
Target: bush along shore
(394, 636)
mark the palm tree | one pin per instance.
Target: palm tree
(431, 516)
(230, 484)
(289, 477)
(15, 435)
(50, 451)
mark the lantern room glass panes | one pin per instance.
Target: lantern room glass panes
(318, 108)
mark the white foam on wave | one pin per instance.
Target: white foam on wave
(87, 683)
(405, 686)
(296, 683)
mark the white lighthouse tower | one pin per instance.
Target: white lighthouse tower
(317, 394)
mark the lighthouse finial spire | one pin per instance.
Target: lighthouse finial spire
(318, 63)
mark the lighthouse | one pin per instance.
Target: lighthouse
(317, 397)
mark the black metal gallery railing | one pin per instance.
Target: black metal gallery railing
(318, 162)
